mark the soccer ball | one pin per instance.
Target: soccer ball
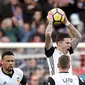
(58, 15)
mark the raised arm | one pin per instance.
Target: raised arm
(48, 32)
(74, 33)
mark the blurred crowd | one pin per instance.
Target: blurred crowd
(25, 20)
(35, 69)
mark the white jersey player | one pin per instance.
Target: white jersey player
(52, 59)
(64, 77)
(65, 44)
(11, 79)
(8, 74)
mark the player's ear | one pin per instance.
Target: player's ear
(59, 43)
(1, 62)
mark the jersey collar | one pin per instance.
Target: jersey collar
(10, 75)
(63, 72)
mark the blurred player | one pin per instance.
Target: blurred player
(65, 43)
(64, 77)
(8, 74)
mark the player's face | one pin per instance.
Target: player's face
(8, 62)
(66, 44)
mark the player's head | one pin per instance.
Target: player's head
(64, 62)
(63, 40)
(7, 61)
(34, 79)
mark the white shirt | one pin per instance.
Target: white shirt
(52, 58)
(65, 79)
(14, 80)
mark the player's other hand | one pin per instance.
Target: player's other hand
(49, 17)
(65, 19)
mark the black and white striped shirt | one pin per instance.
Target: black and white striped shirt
(53, 55)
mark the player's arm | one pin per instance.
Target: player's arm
(81, 82)
(50, 81)
(48, 32)
(24, 80)
(73, 32)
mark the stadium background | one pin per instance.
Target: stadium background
(22, 30)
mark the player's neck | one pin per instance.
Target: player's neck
(6, 72)
(62, 50)
(63, 70)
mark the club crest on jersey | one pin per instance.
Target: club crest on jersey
(18, 79)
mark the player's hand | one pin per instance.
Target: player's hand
(65, 19)
(49, 17)
(66, 22)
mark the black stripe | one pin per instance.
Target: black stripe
(51, 60)
(24, 80)
(49, 52)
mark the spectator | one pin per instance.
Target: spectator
(40, 72)
(27, 32)
(5, 39)
(28, 9)
(36, 38)
(75, 20)
(8, 10)
(2, 33)
(18, 15)
(40, 33)
(30, 66)
(10, 31)
(34, 80)
(37, 18)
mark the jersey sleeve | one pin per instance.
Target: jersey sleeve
(49, 52)
(24, 80)
(22, 77)
(50, 81)
(81, 81)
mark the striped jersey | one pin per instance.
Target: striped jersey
(53, 55)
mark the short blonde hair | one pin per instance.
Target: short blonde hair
(64, 61)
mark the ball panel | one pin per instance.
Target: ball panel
(57, 17)
(53, 11)
(56, 23)
(60, 11)
(62, 18)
